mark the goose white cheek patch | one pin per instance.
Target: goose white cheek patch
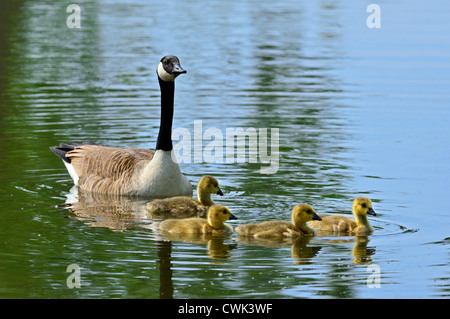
(164, 75)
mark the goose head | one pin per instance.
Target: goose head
(218, 215)
(169, 68)
(302, 213)
(209, 185)
(362, 206)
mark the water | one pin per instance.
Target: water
(360, 112)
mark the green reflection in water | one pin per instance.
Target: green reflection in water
(98, 84)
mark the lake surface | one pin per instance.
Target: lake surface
(360, 111)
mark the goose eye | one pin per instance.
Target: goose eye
(363, 205)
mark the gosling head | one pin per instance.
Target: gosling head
(362, 206)
(302, 213)
(218, 215)
(169, 68)
(210, 185)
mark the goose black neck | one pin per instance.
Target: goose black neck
(164, 141)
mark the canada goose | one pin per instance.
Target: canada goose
(301, 213)
(185, 206)
(213, 225)
(129, 171)
(362, 206)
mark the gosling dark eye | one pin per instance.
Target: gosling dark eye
(363, 205)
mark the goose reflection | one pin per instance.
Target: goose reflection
(106, 210)
(361, 252)
(120, 213)
(301, 251)
(216, 246)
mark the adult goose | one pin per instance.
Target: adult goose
(129, 171)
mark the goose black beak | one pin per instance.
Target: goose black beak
(316, 217)
(232, 217)
(371, 212)
(219, 192)
(177, 69)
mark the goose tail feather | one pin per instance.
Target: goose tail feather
(64, 148)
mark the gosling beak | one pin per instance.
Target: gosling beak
(371, 212)
(232, 217)
(219, 192)
(177, 69)
(316, 217)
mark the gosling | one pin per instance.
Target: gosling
(213, 225)
(301, 213)
(362, 206)
(185, 206)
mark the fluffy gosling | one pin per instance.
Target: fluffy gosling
(185, 206)
(301, 213)
(362, 206)
(213, 225)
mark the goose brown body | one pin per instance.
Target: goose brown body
(108, 169)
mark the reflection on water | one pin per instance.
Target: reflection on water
(165, 269)
(215, 246)
(361, 252)
(301, 252)
(112, 211)
(359, 111)
(120, 213)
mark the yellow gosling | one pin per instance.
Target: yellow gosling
(213, 225)
(362, 206)
(301, 214)
(185, 206)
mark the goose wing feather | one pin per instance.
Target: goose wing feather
(107, 169)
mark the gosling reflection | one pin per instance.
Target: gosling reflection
(362, 255)
(300, 250)
(111, 211)
(216, 246)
